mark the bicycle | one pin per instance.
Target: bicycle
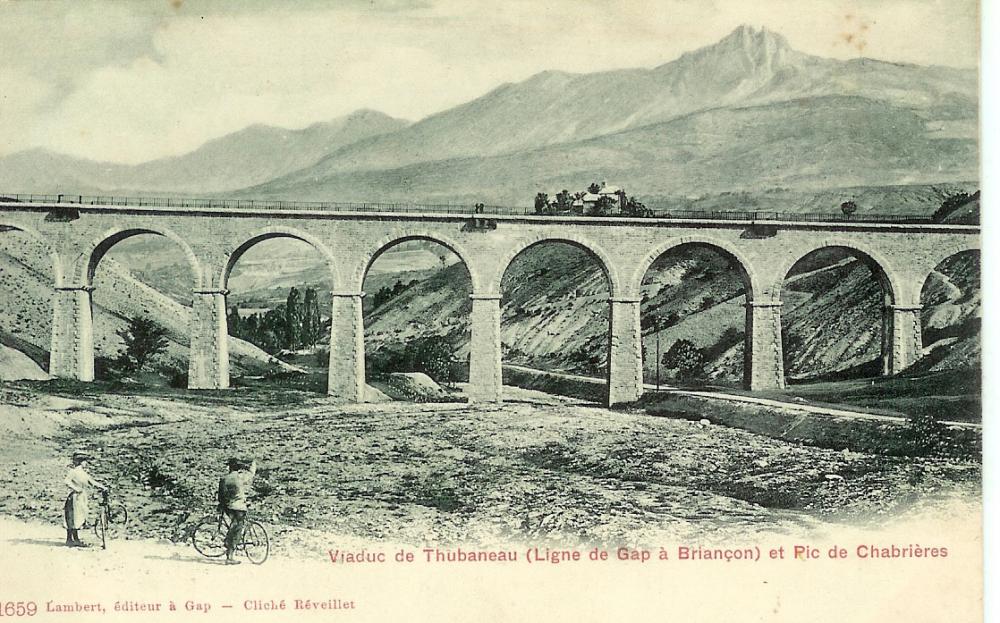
(209, 538)
(112, 518)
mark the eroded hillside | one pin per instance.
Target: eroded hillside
(26, 280)
(555, 313)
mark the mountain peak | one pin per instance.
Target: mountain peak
(757, 43)
(747, 47)
(746, 35)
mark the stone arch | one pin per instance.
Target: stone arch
(896, 328)
(57, 267)
(269, 233)
(891, 281)
(388, 242)
(592, 248)
(945, 253)
(949, 317)
(94, 252)
(751, 279)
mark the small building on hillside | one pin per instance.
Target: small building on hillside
(615, 194)
(584, 202)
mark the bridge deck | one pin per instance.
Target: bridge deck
(412, 211)
(265, 205)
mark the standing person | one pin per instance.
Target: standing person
(76, 507)
(233, 490)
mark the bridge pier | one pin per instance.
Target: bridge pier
(485, 367)
(71, 352)
(346, 376)
(624, 352)
(763, 363)
(208, 362)
(901, 338)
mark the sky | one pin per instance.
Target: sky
(135, 81)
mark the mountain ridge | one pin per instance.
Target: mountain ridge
(807, 143)
(243, 158)
(552, 108)
(450, 155)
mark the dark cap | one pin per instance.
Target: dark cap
(79, 456)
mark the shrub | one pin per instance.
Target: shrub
(177, 377)
(687, 359)
(322, 357)
(144, 340)
(949, 205)
(431, 355)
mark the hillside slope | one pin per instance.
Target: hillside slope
(813, 143)
(555, 314)
(26, 313)
(748, 67)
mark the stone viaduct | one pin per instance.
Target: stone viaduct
(213, 239)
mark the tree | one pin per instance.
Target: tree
(541, 203)
(631, 207)
(430, 354)
(144, 340)
(594, 188)
(312, 329)
(603, 206)
(433, 356)
(384, 295)
(234, 322)
(273, 330)
(848, 208)
(293, 320)
(686, 358)
(949, 205)
(564, 201)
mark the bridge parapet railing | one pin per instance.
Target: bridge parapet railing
(765, 215)
(451, 208)
(258, 204)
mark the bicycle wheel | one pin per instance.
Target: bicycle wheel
(255, 542)
(118, 515)
(101, 528)
(209, 536)
(116, 519)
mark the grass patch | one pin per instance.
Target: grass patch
(552, 455)
(953, 395)
(919, 435)
(245, 393)
(594, 391)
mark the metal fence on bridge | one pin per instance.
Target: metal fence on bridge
(451, 208)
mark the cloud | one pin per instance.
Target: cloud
(22, 96)
(129, 82)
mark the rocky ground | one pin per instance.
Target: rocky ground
(537, 469)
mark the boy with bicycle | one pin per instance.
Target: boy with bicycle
(233, 490)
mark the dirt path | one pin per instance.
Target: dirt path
(768, 402)
(138, 579)
(141, 580)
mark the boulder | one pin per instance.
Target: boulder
(374, 394)
(413, 386)
(16, 366)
